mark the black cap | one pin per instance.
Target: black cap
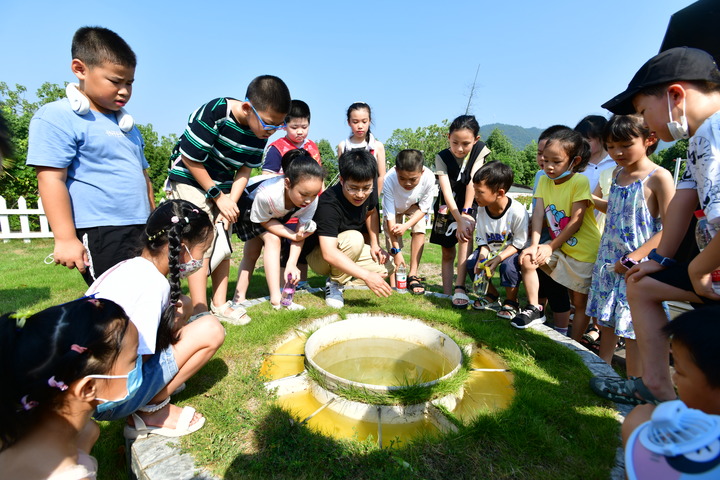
(673, 65)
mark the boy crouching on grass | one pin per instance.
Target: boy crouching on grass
(408, 192)
(501, 233)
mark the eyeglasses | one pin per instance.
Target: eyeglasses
(358, 191)
(265, 126)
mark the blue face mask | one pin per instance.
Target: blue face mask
(134, 380)
(567, 172)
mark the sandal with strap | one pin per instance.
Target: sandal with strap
(508, 310)
(488, 302)
(414, 283)
(631, 391)
(460, 297)
(183, 427)
(238, 316)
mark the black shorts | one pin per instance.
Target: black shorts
(677, 276)
(108, 246)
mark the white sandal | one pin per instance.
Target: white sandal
(238, 316)
(183, 427)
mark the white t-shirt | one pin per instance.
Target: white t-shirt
(703, 167)
(397, 199)
(512, 225)
(270, 203)
(142, 291)
(592, 171)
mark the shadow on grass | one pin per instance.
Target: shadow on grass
(212, 373)
(21, 295)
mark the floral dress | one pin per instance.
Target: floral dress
(628, 225)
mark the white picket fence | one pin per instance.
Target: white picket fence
(22, 212)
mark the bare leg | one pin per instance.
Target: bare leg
(448, 258)
(271, 258)
(251, 252)
(197, 284)
(219, 278)
(645, 298)
(562, 319)
(633, 366)
(531, 280)
(581, 320)
(463, 253)
(511, 293)
(608, 340)
(417, 245)
(199, 341)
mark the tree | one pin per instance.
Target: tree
(523, 164)
(19, 180)
(430, 140)
(329, 160)
(666, 158)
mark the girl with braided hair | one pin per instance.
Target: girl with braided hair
(176, 236)
(57, 366)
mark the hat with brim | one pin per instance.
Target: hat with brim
(673, 65)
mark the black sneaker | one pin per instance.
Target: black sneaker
(528, 316)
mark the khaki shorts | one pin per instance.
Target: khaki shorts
(419, 227)
(567, 271)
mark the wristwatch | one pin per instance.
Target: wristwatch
(213, 192)
(470, 211)
(395, 251)
(628, 262)
(664, 261)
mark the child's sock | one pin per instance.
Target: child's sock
(562, 331)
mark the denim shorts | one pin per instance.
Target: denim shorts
(158, 371)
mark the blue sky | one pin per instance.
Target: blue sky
(541, 62)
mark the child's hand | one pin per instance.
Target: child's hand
(227, 207)
(543, 254)
(493, 263)
(620, 269)
(701, 281)
(300, 236)
(479, 264)
(378, 254)
(398, 259)
(641, 269)
(399, 229)
(71, 254)
(294, 273)
(465, 227)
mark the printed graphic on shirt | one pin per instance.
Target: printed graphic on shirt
(557, 221)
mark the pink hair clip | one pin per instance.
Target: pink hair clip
(174, 219)
(77, 348)
(28, 405)
(57, 384)
(196, 210)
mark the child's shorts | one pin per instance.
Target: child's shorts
(157, 371)
(567, 271)
(419, 227)
(509, 269)
(677, 276)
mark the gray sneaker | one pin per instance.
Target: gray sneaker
(334, 295)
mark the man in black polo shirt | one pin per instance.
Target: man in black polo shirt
(348, 227)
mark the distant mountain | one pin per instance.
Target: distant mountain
(518, 136)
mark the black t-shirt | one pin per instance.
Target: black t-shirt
(335, 214)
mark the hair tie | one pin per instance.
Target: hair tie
(158, 234)
(28, 404)
(20, 322)
(174, 219)
(57, 384)
(77, 348)
(196, 210)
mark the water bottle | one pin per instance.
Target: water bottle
(288, 292)
(401, 279)
(704, 233)
(481, 283)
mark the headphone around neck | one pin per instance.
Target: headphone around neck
(81, 105)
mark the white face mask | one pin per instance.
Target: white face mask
(190, 267)
(678, 130)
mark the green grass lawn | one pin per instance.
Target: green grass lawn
(555, 427)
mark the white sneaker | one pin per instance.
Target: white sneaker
(334, 295)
